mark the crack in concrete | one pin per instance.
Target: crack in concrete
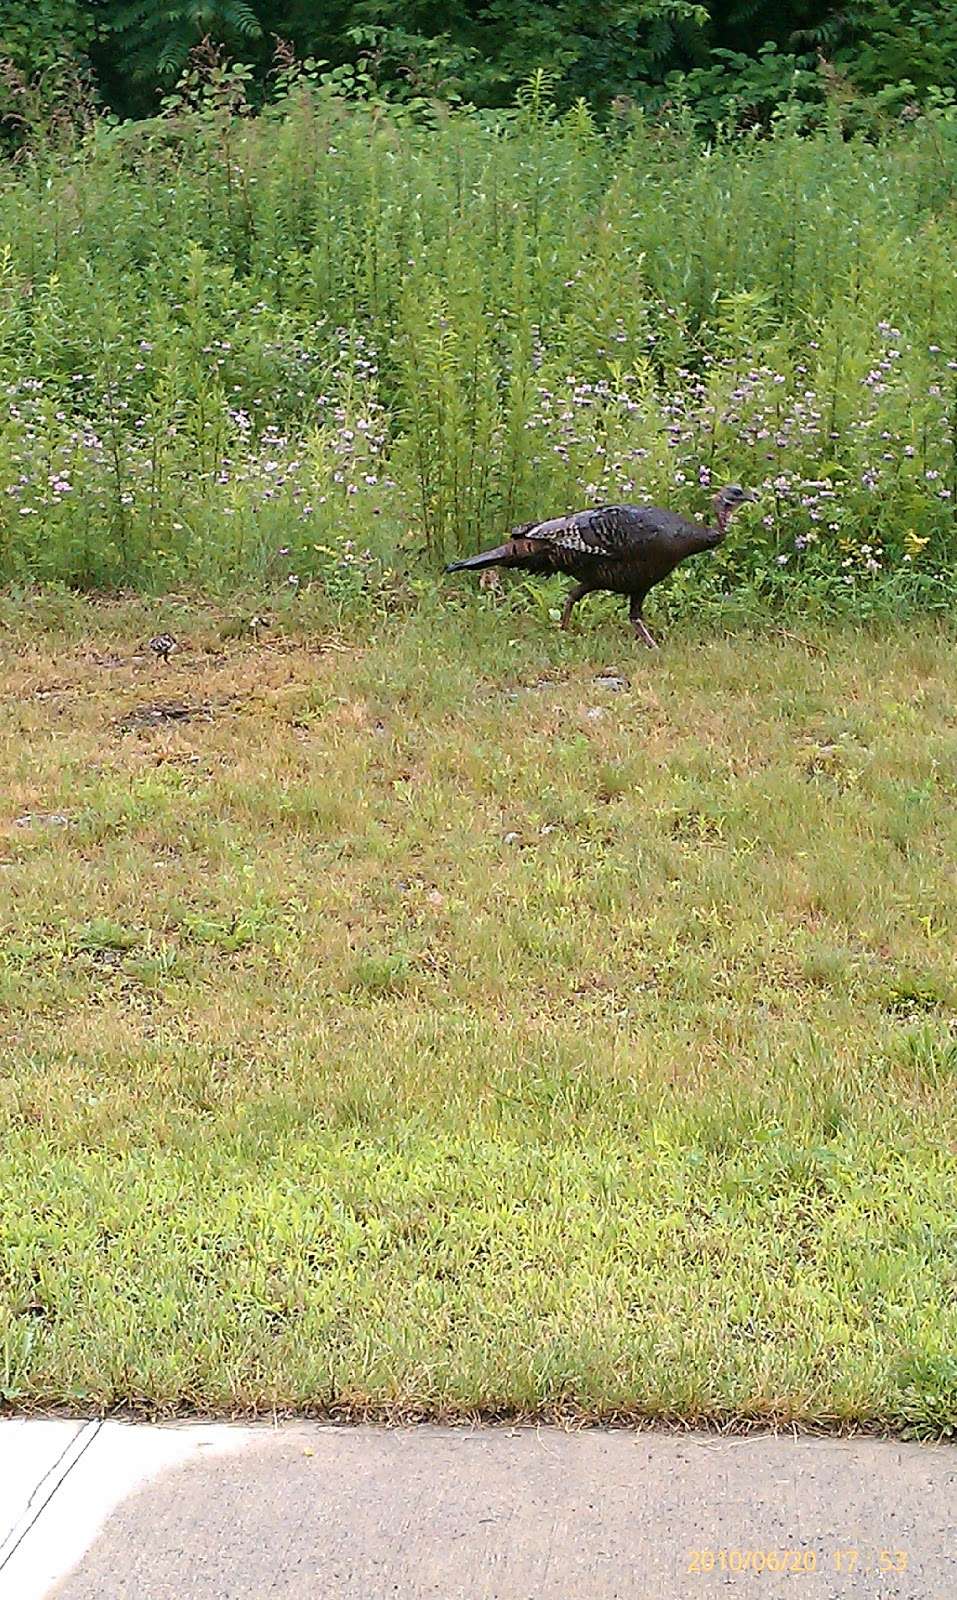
(71, 1453)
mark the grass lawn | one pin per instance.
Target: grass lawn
(425, 1025)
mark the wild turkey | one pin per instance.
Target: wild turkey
(627, 549)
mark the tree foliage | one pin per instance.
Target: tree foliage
(725, 52)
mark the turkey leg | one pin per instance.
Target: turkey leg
(637, 622)
(574, 595)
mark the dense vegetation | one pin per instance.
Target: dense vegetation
(737, 57)
(329, 340)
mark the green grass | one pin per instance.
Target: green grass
(425, 1028)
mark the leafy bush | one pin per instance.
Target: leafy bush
(718, 56)
(44, 61)
(35, 33)
(900, 42)
(753, 90)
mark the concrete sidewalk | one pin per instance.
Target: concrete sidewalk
(106, 1511)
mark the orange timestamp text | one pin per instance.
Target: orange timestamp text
(844, 1561)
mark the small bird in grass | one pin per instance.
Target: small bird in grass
(163, 646)
(626, 549)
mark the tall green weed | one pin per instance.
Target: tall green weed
(232, 348)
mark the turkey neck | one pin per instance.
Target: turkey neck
(707, 538)
(698, 538)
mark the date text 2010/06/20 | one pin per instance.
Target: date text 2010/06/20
(845, 1561)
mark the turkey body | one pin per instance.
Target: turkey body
(625, 549)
